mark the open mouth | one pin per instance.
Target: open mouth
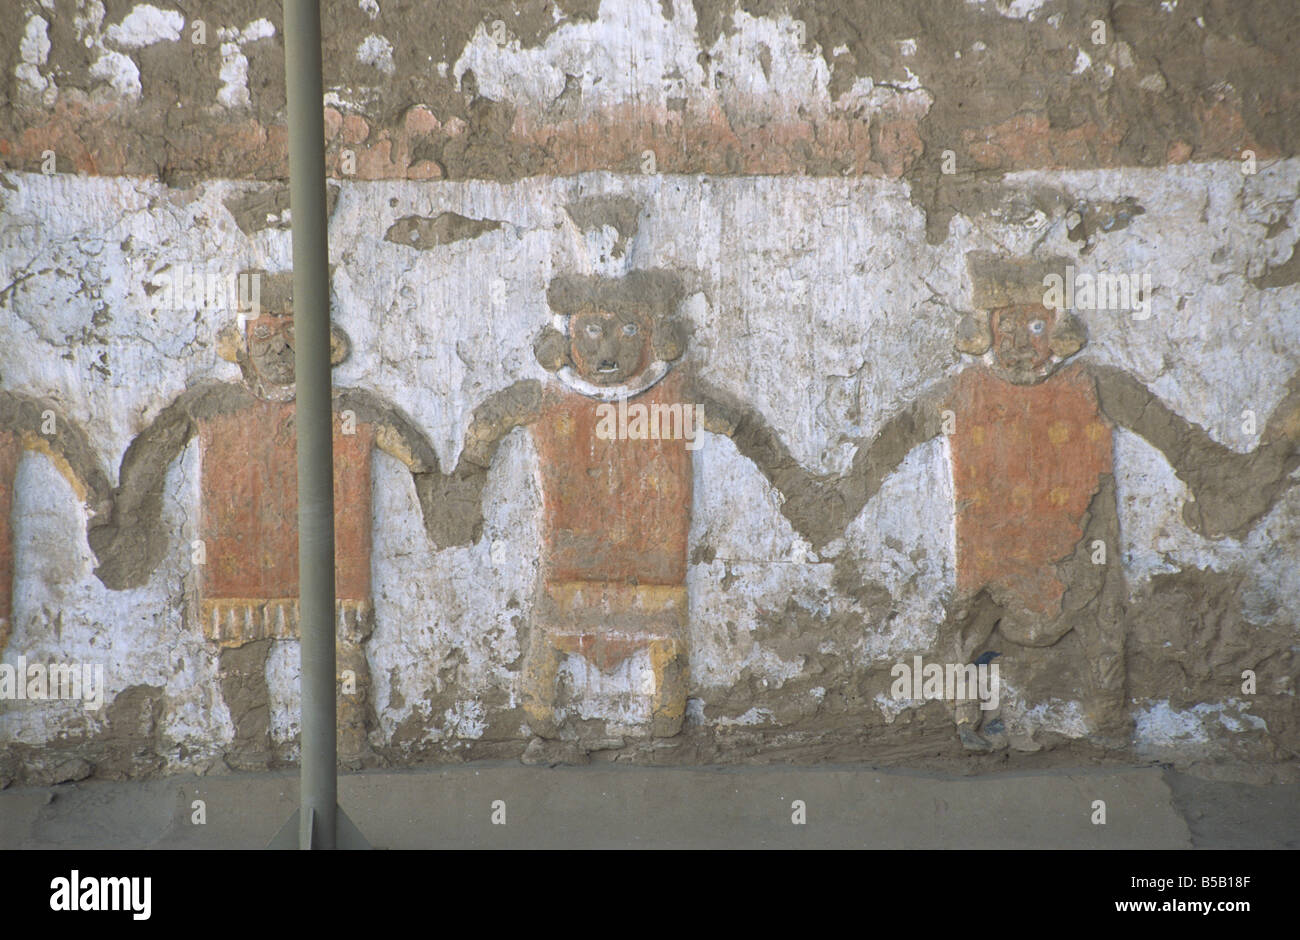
(1016, 359)
(607, 367)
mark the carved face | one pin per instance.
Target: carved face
(270, 349)
(609, 348)
(1022, 343)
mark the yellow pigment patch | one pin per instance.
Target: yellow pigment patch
(35, 442)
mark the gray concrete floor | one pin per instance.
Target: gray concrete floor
(601, 807)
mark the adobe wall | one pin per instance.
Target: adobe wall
(820, 181)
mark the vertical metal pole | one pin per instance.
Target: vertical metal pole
(319, 785)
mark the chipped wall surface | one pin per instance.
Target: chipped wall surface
(901, 452)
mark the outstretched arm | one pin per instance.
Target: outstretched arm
(453, 503)
(129, 542)
(917, 422)
(820, 506)
(43, 427)
(806, 496)
(395, 433)
(1229, 490)
(398, 436)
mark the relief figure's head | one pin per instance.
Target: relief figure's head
(1022, 340)
(265, 349)
(612, 333)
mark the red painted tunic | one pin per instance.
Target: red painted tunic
(1026, 462)
(616, 518)
(249, 522)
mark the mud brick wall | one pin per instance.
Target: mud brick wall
(831, 226)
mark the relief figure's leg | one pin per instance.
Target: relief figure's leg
(356, 711)
(671, 675)
(968, 633)
(541, 669)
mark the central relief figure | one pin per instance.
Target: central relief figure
(616, 493)
(614, 430)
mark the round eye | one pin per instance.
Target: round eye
(630, 329)
(594, 330)
(1037, 326)
(261, 332)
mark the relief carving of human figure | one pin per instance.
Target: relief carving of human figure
(246, 578)
(1031, 430)
(616, 481)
